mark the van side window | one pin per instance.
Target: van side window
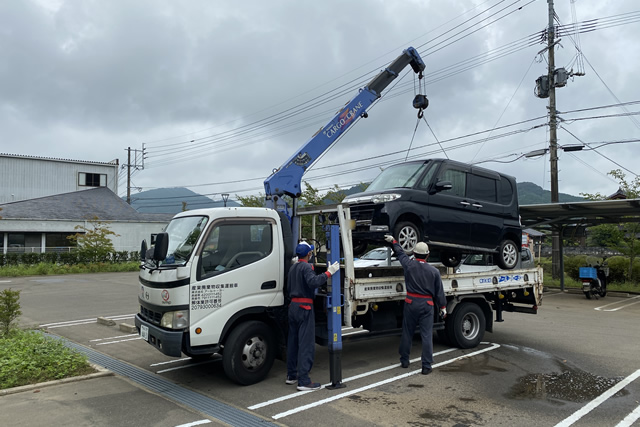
(458, 181)
(232, 245)
(483, 188)
(506, 191)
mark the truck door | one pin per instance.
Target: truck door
(238, 267)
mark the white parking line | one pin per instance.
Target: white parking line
(113, 338)
(190, 365)
(115, 342)
(630, 419)
(5, 281)
(624, 304)
(370, 386)
(599, 400)
(170, 361)
(353, 378)
(83, 321)
(195, 423)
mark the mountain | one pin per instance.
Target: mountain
(170, 200)
(532, 194)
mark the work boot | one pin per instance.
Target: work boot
(404, 363)
(309, 387)
(426, 371)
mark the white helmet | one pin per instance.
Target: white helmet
(421, 249)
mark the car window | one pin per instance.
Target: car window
(426, 180)
(483, 188)
(398, 176)
(378, 254)
(506, 191)
(458, 181)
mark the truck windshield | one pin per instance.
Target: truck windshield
(398, 176)
(183, 236)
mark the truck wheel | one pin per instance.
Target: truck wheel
(450, 259)
(509, 254)
(466, 327)
(408, 235)
(248, 353)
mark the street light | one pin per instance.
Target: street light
(225, 197)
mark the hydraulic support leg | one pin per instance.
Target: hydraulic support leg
(334, 310)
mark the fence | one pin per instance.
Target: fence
(64, 257)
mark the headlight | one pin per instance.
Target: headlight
(175, 320)
(384, 198)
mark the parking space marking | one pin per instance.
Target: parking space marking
(190, 365)
(114, 338)
(623, 304)
(119, 341)
(630, 419)
(170, 361)
(353, 378)
(195, 423)
(599, 400)
(5, 281)
(379, 383)
(83, 321)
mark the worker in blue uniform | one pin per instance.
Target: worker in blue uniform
(302, 283)
(424, 289)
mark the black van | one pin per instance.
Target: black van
(455, 207)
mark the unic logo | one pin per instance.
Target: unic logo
(165, 295)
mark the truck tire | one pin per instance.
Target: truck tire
(249, 352)
(509, 255)
(466, 326)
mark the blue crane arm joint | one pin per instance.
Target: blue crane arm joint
(287, 179)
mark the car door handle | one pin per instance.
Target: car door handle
(476, 205)
(271, 284)
(465, 203)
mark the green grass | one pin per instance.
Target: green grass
(44, 269)
(29, 357)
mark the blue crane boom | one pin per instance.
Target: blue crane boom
(287, 179)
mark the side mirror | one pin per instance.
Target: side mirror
(161, 247)
(143, 250)
(443, 185)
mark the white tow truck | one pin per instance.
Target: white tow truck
(215, 280)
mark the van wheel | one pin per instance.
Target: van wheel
(509, 254)
(408, 235)
(249, 352)
(450, 259)
(465, 328)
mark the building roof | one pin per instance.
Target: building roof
(98, 202)
(590, 213)
(21, 156)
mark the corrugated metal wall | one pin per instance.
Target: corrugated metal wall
(23, 178)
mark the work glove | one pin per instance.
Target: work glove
(388, 238)
(333, 268)
(443, 313)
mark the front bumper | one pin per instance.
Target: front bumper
(167, 342)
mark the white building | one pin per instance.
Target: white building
(28, 177)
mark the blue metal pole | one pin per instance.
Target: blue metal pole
(334, 310)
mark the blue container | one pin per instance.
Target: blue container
(588, 273)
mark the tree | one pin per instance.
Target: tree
(252, 201)
(93, 243)
(625, 239)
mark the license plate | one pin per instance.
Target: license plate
(144, 332)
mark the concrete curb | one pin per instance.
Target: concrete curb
(615, 294)
(102, 372)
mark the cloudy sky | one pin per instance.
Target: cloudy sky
(219, 93)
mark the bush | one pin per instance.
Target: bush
(618, 269)
(9, 311)
(29, 357)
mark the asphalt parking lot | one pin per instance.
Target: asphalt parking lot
(574, 363)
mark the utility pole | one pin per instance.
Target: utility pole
(137, 164)
(556, 271)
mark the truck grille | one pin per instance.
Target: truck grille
(362, 215)
(150, 316)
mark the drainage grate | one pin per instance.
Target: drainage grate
(197, 401)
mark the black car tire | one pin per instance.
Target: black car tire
(450, 259)
(509, 255)
(408, 235)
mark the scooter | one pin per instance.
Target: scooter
(594, 281)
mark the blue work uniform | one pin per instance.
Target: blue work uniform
(424, 285)
(302, 283)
